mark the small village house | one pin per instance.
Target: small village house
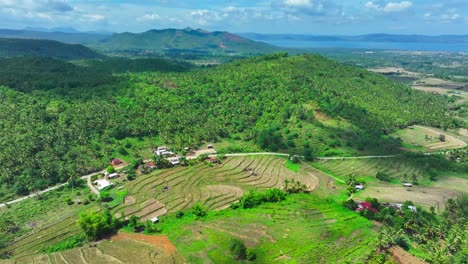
(102, 184)
(113, 175)
(116, 162)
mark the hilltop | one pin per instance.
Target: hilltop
(181, 43)
(45, 48)
(170, 41)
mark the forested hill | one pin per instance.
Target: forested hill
(187, 40)
(72, 38)
(292, 104)
(45, 48)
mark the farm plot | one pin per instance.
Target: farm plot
(214, 186)
(297, 228)
(38, 239)
(429, 138)
(122, 248)
(395, 168)
(435, 195)
(43, 222)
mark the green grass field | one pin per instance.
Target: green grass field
(425, 139)
(43, 222)
(301, 229)
(400, 170)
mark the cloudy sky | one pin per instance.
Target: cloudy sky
(323, 17)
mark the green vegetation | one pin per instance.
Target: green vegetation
(188, 44)
(45, 48)
(45, 216)
(435, 238)
(74, 128)
(405, 168)
(97, 225)
(293, 166)
(273, 232)
(69, 243)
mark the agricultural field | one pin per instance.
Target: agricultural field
(49, 221)
(44, 221)
(122, 248)
(449, 185)
(301, 229)
(398, 169)
(216, 187)
(427, 193)
(428, 139)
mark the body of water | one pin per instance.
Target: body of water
(413, 46)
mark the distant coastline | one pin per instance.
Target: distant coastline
(446, 43)
(410, 46)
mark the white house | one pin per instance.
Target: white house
(102, 184)
(174, 161)
(113, 175)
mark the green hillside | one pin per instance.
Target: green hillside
(298, 104)
(182, 41)
(45, 48)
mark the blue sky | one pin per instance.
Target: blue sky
(318, 17)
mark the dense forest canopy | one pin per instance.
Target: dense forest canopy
(54, 128)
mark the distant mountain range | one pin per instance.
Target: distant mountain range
(157, 42)
(360, 38)
(71, 38)
(45, 48)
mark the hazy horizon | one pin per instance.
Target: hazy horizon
(309, 17)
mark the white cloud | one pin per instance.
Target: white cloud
(389, 7)
(397, 7)
(298, 3)
(149, 17)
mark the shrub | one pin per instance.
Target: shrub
(251, 254)
(293, 186)
(383, 176)
(134, 223)
(199, 210)
(110, 169)
(180, 214)
(69, 243)
(238, 249)
(402, 242)
(350, 204)
(96, 225)
(69, 201)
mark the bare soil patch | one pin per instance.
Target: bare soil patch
(403, 257)
(159, 242)
(424, 196)
(129, 200)
(463, 132)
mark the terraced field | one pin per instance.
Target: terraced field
(161, 192)
(214, 186)
(123, 248)
(44, 222)
(394, 167)
(302, 229)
